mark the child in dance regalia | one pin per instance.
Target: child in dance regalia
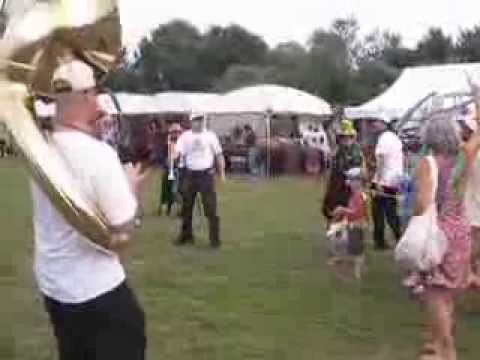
(346, 233)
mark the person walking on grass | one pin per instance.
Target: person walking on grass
(389, 164)
(472, 198)
(440, 287)
(202, 153)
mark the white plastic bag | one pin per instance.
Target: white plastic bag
(337, 235)
(423, 245)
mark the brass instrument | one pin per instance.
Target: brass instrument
(40, 35)
(171, 158)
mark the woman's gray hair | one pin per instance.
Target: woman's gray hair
(442, 134)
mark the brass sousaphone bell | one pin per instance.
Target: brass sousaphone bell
(40, 35)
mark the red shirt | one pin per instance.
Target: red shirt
(357, 208)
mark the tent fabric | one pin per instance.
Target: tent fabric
(135, 104)
(162, 103)
(181, 102)
(415, 84)
(263, 98)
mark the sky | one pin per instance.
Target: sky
(279, 21)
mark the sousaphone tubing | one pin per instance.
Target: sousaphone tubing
(38, 35)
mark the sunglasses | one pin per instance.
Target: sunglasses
(64, 87)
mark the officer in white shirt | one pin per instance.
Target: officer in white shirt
(386, 181)
(202, 152)
(94, 313)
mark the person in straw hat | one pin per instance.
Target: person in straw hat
(349, 155)
(94, 312)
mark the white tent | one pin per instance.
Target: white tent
(258, 104)
(135, 104)
(162, 103)
(267, 98)
(414, 85)
(181, 102)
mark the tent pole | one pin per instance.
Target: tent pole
(269, 142)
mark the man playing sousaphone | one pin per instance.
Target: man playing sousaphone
(94, 313)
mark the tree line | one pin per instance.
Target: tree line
(337, 63)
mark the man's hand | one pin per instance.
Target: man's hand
(137, 176)
(221, 168)
(339, 213)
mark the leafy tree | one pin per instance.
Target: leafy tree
(336, 64)
(124, 78)
(468, 44)
(223, 47)
(169, 58)
(238, 76)
(347, 30)
(289, 61)
(435, 48)
(327, 70)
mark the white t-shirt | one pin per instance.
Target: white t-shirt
(389, 147)
(199, 149)
(472, 195)
(317, 140)
(68, 267)
(308, 138)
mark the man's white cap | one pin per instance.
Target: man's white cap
(384, 117)
(197, 116)
(74, 75)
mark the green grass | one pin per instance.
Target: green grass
(266, 295)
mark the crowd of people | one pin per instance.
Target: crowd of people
(439, 168)
(95, 313)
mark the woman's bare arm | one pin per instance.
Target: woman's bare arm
(424, 187)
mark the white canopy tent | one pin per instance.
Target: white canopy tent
(259, 104)
(135, 104)
(414, 85)
(267, 98)
(162, 103)
(181, 102)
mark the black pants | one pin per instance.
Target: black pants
(385, 207)
(3, 148)
(111, 326)
(202, 182)
(168, 192)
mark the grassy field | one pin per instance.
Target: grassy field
(265, 295)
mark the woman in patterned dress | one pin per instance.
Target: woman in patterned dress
(439, 288)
